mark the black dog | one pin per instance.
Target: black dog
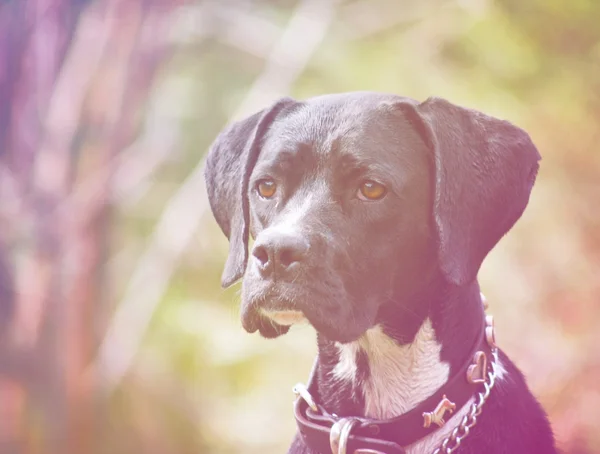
(371, 215)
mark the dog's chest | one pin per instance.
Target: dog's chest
(399, 376)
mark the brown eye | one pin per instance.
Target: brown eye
(266, 188)
(371, 190)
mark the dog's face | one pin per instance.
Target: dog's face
(354, 201)
(340, 204)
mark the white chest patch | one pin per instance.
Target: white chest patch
(400, 376)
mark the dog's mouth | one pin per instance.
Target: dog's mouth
(270, 308)
(256, 319)
(284, 317)
(270, 313)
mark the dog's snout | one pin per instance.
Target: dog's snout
(277, 252)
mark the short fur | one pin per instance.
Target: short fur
(389, 285)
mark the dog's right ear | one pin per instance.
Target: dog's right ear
(229, 164)
(483, 170)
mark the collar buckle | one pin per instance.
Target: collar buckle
(339, 434)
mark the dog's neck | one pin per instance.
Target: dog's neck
(404, 359)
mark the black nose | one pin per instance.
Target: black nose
(276, 252)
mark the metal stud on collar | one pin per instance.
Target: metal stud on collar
(490, 334)
(484, 301)
(477, 370)
(437, 416)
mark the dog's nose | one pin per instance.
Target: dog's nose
(277, 252)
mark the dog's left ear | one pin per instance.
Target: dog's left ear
(485, 169)
(229, 164)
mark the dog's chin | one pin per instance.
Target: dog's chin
(253, 320)
(267, 309)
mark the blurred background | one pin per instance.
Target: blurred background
(115, 336)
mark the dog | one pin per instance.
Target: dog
(371, 214)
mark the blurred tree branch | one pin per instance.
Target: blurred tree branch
(364, 18)
(75, 83)
(177, 223)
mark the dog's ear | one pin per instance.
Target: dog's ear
(485, 169)
(229, 164)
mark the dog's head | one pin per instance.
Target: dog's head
(357, 200)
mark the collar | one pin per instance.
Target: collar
(325, 432)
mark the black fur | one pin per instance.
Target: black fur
(457, 180)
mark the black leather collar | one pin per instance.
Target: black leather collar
(390, 436)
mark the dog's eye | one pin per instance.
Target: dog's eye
(371, 190)
(266, 188)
